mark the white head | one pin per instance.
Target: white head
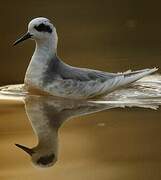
(40, 29)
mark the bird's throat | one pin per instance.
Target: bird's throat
(43, 54)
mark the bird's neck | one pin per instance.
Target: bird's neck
(44, 52)
(47, 134)
(46, 47)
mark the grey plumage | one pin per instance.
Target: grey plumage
(73, 82)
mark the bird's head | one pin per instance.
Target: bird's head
(40, 157)
(39, 29)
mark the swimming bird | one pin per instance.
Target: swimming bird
(48, 73)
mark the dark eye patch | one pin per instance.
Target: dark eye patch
(46, 159)
(43, 28)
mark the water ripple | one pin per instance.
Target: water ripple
(144, 93)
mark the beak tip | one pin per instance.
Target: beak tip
(14, 44)
(18, 145)
(26, 149)
(23, 38)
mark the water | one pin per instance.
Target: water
(115, 137)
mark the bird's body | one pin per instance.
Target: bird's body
(60, 79)
(48, 73)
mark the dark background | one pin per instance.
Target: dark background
(108, 35)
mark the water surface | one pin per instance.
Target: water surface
(116, 137)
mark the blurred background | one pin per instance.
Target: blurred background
(109, 35)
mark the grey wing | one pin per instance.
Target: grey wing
(83, 74)
(82, 83)
(61, 79)
(58, 68)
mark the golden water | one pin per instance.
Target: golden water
(115, 143)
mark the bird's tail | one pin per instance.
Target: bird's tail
(123, 79)
(129, 77)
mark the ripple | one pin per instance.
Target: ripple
(144, 93)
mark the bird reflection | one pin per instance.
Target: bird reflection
(46, 115)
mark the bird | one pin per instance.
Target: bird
(49, 74)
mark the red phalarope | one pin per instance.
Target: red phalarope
(48, 73)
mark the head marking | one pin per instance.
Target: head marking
(43, 28)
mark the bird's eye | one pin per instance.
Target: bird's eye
(43, 28)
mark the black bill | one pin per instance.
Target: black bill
(26, 149)
(23, 38)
